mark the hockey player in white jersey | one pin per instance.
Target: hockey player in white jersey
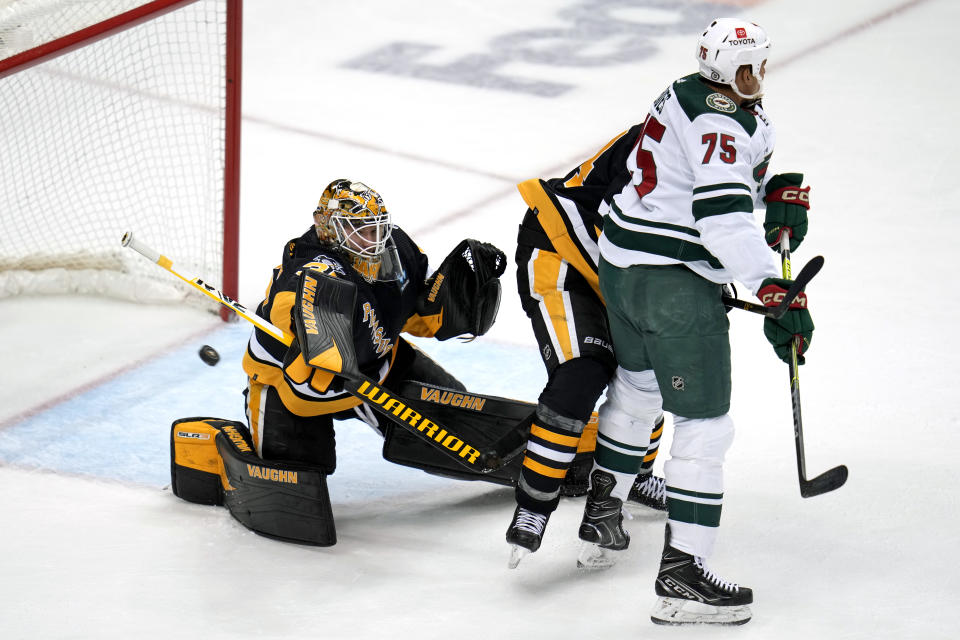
(672, 237)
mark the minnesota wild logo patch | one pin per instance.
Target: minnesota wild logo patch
(721, 102)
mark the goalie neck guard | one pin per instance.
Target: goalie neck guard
(352, 217)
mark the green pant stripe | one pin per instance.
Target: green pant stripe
(707, 515)
(620, 445)
(696, 494)
(616, 461)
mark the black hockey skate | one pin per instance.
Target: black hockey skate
(602, 526)
(690, 593)
(650, 491)
(525, 534)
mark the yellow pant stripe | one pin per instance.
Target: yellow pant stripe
(254, 396)
(546, 274)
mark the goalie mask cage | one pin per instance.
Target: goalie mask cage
(118, 115)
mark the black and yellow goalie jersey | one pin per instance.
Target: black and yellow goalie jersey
(564, 212)
(383, 310)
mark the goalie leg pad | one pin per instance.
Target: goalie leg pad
(213, 462)
(195, 465)
(280, 500)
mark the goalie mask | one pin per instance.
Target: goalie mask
(352, 217)
(726, 45)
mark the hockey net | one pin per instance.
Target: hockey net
(115, 116)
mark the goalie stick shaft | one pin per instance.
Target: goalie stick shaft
(365, 389)
(129, 241)
(833, 478)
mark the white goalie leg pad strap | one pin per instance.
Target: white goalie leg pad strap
(626, 420)
(694, 476)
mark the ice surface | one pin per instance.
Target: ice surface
(94, 546)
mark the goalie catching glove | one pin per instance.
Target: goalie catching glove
(795, 324)
(787, 205)
(463, 295)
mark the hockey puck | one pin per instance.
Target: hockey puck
(209, 355)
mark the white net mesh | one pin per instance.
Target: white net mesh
(125, 133)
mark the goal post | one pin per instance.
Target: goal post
(118, 115)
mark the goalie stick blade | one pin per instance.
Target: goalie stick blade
(806, 274)
(824, 483)
(505, 420)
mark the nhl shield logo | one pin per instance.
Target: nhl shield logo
(677, 382)
(547, 352)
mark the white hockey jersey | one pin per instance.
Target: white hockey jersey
(698, 170)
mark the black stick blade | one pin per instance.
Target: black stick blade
(824, 483)
(806, 274)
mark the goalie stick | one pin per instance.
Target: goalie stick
(831, 479)
(367, 390)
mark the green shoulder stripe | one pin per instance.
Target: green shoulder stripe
(697, 98)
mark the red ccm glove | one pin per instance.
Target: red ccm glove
(787, 206)
(795, 325)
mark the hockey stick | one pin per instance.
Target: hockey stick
(367, 390)
(806, 274)
(833, 478)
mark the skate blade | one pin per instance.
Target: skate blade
(677, 611)
(517, 554)
(593, 557)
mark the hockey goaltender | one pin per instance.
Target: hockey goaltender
(344, 292)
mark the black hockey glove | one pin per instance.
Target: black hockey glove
(465, 289)
(787, 206)
(796, 323)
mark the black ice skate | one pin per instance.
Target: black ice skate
(602, 526)
(525, 533)
(649, 490)
(690, 593)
